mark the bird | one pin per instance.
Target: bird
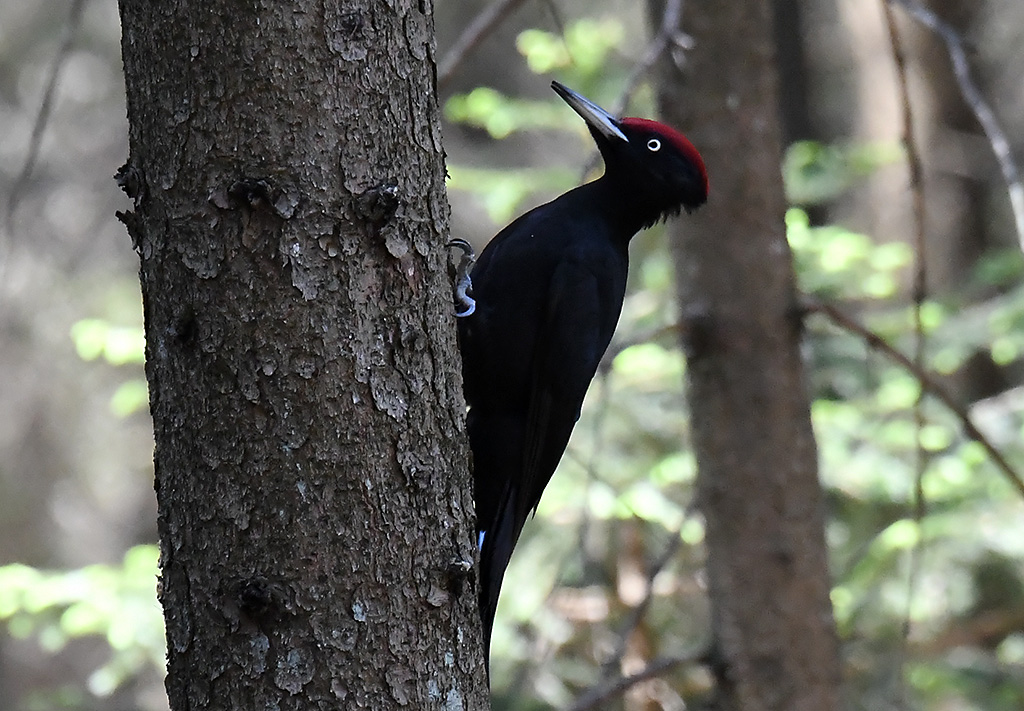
(537, 311)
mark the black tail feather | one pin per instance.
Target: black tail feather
(496, 550)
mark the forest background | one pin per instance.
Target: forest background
(926, 532)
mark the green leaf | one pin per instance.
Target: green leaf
(117, 344)
(501, 116)
(585, 46)
(503, 191)
(129, 398)
(816, 172)
(648, 361)
(544, 51)
(115, 602)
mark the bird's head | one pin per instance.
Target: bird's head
(656, 163)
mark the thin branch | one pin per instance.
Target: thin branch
(927, 381)
(668, 35)
(918, 294)
(986, 117)
(43, 117)
(916, 181)
(977, 630)
(559, 22)
(476, 31)
(591, 466)
(598, 696)
(653, 335)
(636, 615)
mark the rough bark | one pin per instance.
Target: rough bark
(311, 468)
(775, 642)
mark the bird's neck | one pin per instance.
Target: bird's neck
(623, 206)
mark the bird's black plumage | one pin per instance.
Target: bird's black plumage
(548, 291)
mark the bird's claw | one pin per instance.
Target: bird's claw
(463, 283)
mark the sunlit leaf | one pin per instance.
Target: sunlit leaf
(674, 469)
(692, 531)
(649, 503)
(816, 172)
(1005, 350)
(117, 344)
(648, 360)
(503, 191)
(935, 438)
(129, 398)
(501, 116)
(898, 393)
(586, 45)
(544, 51)
(116, 602)
(900, 535)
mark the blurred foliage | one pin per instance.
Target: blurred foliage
(114, 602)
(817, 172)
(502, 192)
(583, 48)
(499, 115)
(117, 345)
(836, 263)
(588, 58)
(625, 488)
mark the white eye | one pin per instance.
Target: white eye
(654, 144)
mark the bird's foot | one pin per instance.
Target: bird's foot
(465, 304)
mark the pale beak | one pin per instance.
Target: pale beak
(596, 117)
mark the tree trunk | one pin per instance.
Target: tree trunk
(312, 472)
(776, 646)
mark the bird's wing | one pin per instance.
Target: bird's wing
(571, 340)
(573, 337)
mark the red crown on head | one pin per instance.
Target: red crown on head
(681, 142)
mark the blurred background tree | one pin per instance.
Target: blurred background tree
(609, 578)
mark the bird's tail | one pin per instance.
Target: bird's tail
(496, 546)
